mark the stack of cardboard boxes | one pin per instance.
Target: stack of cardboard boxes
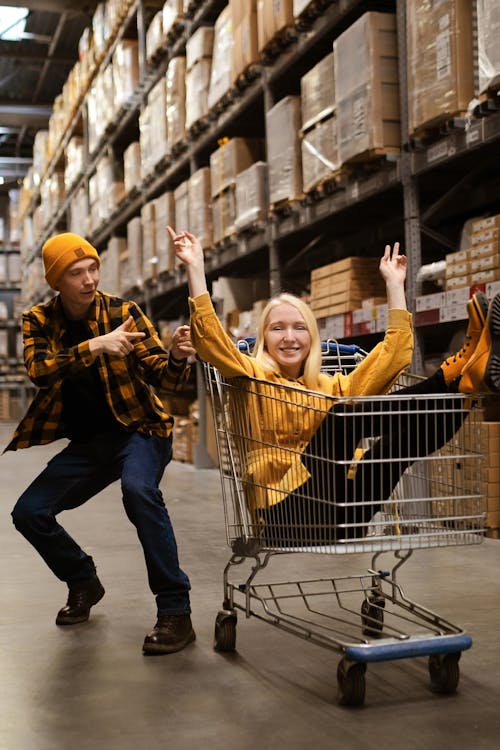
(320, 158)
(480, 262)
(342, 286)
(440, 61)
(232, 157)
(490, 448)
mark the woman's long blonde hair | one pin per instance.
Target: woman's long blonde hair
(312, 363)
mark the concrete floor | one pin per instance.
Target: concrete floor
(89, 686)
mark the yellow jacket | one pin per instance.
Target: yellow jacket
(277, 418)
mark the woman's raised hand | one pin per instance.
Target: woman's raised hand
(187, 247)
(189, 250)
(393, 270)
(393, 265)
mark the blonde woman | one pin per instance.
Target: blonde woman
(285, 488)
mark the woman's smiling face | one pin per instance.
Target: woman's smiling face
(287, 339)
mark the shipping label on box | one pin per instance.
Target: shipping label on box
(457, 257)
(485, 248)
(492, 288)
(457, 297)
(489, 222)
(429, 301)
(487, 235)
(457, 282)
(451, 311)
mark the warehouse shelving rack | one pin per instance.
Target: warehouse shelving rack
(418, 196)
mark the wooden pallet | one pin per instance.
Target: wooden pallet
(372, 157)
(329, 184)
(247, 76)
(281, 40)
(231, 238)
(285, 207)
(198, 127)
(489, 103)
(256, 226)
(311, 13)
(440, 126)
(157, 55)
(191, 8)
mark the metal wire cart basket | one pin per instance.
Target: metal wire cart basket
(404, 473)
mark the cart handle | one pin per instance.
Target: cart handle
(327, 347)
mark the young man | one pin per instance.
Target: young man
(95, 358)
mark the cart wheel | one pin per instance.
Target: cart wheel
(351, 683)
(444, 672)
(372, 616)
(225, 632)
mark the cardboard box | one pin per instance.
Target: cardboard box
(164, 216)
(197, 82)
(176, 100)
(173, 13)
(317, 91)
(272, 17)
(492, 234)
(132, 166)
(252, 195)
(154, 36)
(110, 271)
(134, 268)
(320, 156)
(245, 50)
(153, 128)
(283, 150)
(234, 156)
(181, 207)
(367, 87)
(352, 263)
(484, 249)
(224, 214)
(488, 32)
(488, 222)
(200, 206)
(221, 76)
(149, 256)
(440, 61)
(125, 71)
(199, 46)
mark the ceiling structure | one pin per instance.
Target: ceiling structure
(33, 70)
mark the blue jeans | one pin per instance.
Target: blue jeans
(79, 472)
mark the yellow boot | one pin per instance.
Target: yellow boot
(481, 373)
(477, 310)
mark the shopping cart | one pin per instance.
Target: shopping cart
(437, 502)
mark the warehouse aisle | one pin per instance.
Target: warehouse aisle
(90, 688)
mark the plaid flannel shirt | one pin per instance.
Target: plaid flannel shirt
(127, 382)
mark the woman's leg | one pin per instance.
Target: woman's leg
(348, 486)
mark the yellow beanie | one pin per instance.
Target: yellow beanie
(61, 251)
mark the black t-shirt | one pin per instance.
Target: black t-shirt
(85, 410)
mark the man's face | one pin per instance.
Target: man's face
(78, 285)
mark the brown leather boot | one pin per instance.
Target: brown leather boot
(171, 633)
(80, 599)
(477, 309)
(481, 373)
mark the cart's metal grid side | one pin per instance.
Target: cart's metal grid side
(438, 501)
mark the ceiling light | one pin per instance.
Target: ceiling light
(12, 23)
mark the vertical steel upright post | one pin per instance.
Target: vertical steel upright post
(413, 248)
(274, 261)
